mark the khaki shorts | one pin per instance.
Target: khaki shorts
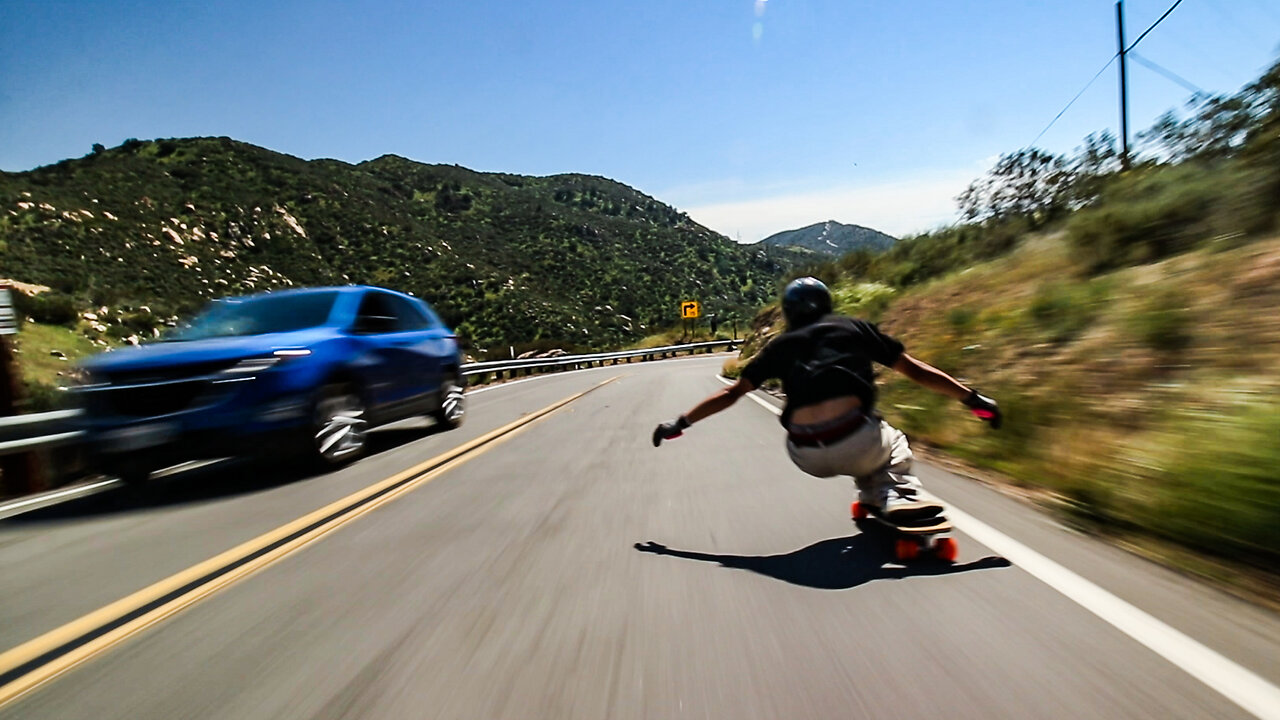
(876, 456)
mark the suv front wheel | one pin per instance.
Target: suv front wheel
(339, 427)
(453, 405)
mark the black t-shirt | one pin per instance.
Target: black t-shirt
(828, 359)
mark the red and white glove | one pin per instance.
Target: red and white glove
(669, 430)
(984, 408)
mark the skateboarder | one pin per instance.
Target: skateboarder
(824, 362)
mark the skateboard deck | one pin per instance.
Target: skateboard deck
(914, 539)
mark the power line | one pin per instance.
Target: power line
(1167, 73)
(1153, 26)
(1074, 99)
(1119, 54)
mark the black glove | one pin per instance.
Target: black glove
(669, 430)
(985, 408)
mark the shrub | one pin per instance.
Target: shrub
(50, 308)
(1063, 311)
(1159, 211)
(1163, 321)
(732, 368)
(39, 397)
(866, 299)
(141, 321)
(961, 319)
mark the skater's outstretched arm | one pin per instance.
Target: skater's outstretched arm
(712, 404)
(926, 375)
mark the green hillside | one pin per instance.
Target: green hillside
(573, 259)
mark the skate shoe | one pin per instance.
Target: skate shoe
(902, 506)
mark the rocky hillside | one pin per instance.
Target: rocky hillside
(507, 259)
(831, 238)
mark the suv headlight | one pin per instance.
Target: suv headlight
(249, 368)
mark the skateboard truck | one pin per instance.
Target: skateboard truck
(914, 541)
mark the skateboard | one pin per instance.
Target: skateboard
(914, 540)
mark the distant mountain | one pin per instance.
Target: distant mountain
(832, 238)
(507, 259)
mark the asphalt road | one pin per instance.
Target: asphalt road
(511, 586)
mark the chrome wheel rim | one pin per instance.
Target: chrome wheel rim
(341, 426)
(454, 405)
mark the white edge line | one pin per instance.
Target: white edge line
(1241, 686)
(1237, 684)
(8, 509)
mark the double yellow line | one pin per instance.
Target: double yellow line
(38, 661)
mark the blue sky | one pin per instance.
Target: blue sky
(754, 117)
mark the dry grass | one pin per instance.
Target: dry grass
(1118, 389)
(1144, 402)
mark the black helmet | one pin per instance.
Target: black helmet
(805, 301)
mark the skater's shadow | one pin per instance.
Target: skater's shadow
(834, 564)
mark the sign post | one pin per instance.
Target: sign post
(689, 311)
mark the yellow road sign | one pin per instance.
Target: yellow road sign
(690, 310)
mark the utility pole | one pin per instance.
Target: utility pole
(1124, 89)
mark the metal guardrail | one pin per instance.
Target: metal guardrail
(529, 365)
(21, 433)
(39, 431)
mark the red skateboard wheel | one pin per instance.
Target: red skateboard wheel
(907, 549)
(947, 549)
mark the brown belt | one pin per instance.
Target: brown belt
(828, 435)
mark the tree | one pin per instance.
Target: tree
(1030, 183)
(1265, 100)
(1094, 163)
(1262, 144)
(1215, 129)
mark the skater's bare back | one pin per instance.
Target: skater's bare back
(825, 411)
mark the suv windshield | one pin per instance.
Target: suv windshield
(258, 316)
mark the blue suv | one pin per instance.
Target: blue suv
(311, 368)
